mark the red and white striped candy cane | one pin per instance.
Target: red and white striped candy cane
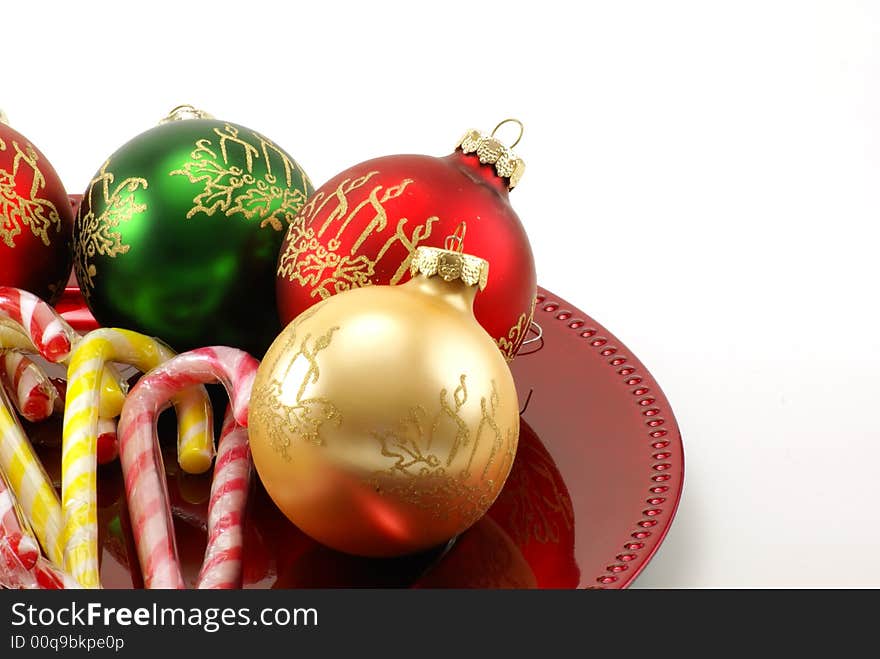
(50, 577)
(19, 546)
(13, 573)
(145, 484)
(30, 389)
(26, 319)
(52, 337)
(21, 564)
(28, 480)
(29, 324)
(221, 568)
(43, 576)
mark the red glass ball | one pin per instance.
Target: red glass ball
(36, 221)
(363, 226)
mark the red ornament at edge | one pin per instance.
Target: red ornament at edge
(36, 222)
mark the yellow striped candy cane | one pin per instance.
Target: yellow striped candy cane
(78, 460)
(30, 483)
(28, 324)
(113, 386)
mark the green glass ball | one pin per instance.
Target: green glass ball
(179, 231)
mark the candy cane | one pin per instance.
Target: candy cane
(49, 577)
(13, 572)
(30, 389)
(26, 324)
(51, 336)
(80, 434)
(30, 324)
(15, 536)
(29, 482)
(221, 568)
(108, 445)
(36, 397)
(145, 485)
(43, 576)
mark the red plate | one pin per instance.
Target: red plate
(593, 490)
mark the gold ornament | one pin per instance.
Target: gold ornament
(384, 420)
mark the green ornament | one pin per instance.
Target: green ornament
(179, 231)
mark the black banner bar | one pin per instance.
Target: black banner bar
(408, 623)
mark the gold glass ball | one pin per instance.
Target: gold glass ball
(384, 420)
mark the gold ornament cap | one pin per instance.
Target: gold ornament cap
(3, 118)
(451, 264)
(184, 112)
(491, 151)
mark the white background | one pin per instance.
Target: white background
(702, 179)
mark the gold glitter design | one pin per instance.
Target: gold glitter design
(422, 478)
(17, 212)
(510, 345)
(229, 189)
(309, 262)
(97, 235)
(303, 419)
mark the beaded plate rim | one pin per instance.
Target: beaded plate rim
(664, 477)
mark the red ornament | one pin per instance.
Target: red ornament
(363, 226)
(36, 222)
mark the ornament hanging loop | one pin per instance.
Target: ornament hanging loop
(455, 242)
(510, 121)
(533, 343)
(539, 333)
(3, 118)
(183, 112)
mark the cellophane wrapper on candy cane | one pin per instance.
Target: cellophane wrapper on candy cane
(19, 549)
(12, 337)
(29, 325)
(28, 386)
(221, 568)
(81, 434)
(146, 488)
(28, 480)
(21, 564)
